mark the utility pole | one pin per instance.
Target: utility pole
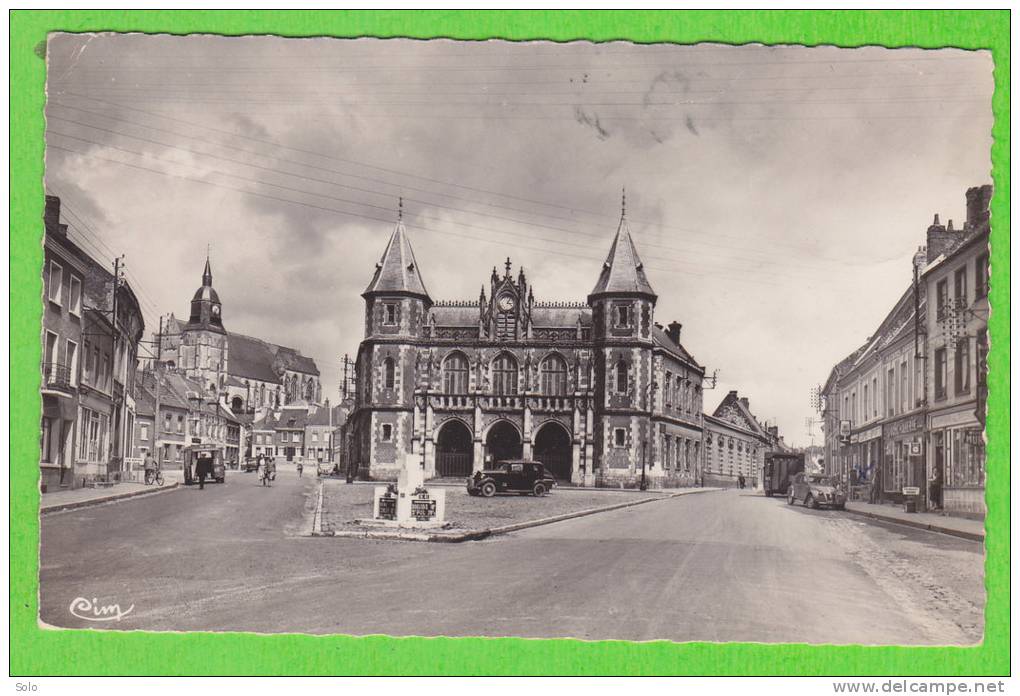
(157, 419)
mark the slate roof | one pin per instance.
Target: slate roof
(397, 271)
(623, 271)
(145, 403)
(292, 418)
(662, 340)
(320, 417)
(559, 317)
(253, 358)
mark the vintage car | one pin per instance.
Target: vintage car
(250, 464)
(815, 490)
(511, 476)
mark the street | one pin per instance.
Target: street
(722, 566)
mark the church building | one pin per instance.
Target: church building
(596, 390)
(248, 375)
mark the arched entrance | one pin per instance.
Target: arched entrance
(454, 450)
(553, 449)
(503, 442)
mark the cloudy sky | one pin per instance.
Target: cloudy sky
(776, 194)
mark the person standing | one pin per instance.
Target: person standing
(935, 488)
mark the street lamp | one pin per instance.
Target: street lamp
(644, 452)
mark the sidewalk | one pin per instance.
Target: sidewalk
(955, 526)
(86, 497)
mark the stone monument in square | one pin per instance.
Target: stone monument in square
(409, 503)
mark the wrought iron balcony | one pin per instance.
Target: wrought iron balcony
(57, 376)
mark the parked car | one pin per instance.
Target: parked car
(511, 476)
(816, 490)
(250, 464)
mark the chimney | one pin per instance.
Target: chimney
(978, 200)
(673, 331)
(51, 217)
(940, 239)
(746, 404)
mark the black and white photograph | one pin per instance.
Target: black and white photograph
(604, 341)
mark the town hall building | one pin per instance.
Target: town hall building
(596, 390)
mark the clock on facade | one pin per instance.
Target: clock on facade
(216, 310)
(505, 303)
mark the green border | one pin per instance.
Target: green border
(38, 652)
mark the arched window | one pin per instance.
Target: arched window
(621, 377)
(504, 374)
(455, 374)
(390, 373)
(554, 376)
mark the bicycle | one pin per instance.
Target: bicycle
(153, 476)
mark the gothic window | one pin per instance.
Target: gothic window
(554, 376)
(504, 374)
(310, 390)
(455, 374)
(621, 377)
(669, 388)
(389, 314)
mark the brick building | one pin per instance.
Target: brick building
(597, 390)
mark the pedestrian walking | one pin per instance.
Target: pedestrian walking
(300, 469)
(741, 481)
(935, 489)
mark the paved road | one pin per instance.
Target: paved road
(716, 566)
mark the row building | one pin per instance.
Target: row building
(91, 327)
(905, 411)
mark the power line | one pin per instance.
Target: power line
(547, 67)
(282, 90)
(65, 205)
(729, 257)
(439, 182)
(740, 278)
(756, 262)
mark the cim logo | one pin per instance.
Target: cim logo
(87, 610)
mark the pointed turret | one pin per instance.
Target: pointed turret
(397, 271)
(207, 274)
(623, 273)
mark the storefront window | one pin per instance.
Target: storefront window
(968, 457)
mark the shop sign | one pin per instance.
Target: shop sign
(949, 420)
(844, 431)
(915, 449)
(911, 490)
(865, 435)
(906, 425)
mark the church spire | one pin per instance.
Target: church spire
(623, 272)
(207, 274)
(397, 270)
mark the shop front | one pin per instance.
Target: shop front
(865, 458)
(957, 455)
(903, 443)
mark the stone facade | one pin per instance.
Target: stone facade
(596, 390)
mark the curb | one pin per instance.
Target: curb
(476, 534)
(970, 536)
(102, 501)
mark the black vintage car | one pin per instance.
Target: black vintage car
(511, 476)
